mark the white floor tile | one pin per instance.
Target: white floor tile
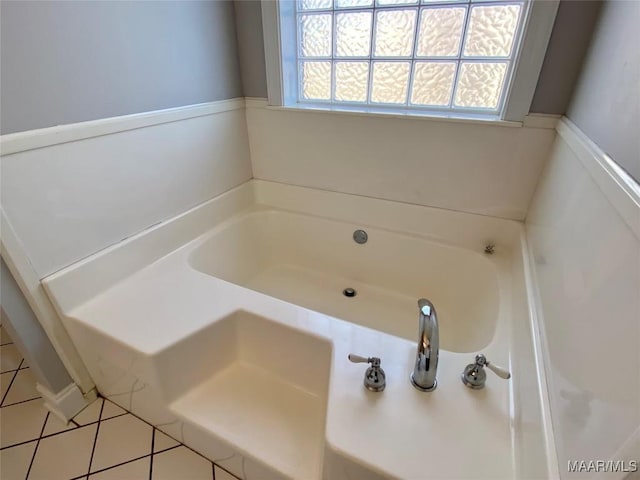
(66, 452)
(21, 422)
(181, 463)
(138, 470)
(10, 357)
(162, 442)
(23, 388)
(55, 425)
(4, 336)
(111, 410)
(65, 455)
(121, 439)
(90, 414)
(223, 474)
(14, 461)
(5, 380)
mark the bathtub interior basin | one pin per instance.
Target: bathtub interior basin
(263, 388)
(310, 261)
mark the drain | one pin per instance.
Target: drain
(360, 236)
(349, 292)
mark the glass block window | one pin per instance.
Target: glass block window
(443, 55)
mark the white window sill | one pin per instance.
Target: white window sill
(531, 121)
(369, 111)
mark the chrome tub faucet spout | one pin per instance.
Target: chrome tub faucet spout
(426, 367)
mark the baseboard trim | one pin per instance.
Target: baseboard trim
(66, 404)
(45, 137)
(26, 277)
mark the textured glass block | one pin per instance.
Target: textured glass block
(480, 84)
(390, 82)
(491, 30)
(432, 83)
(353, 3)
(352, 80)
(316, 80)
(440, 32)
(313, 4)
(396, 2)
(353, 34)
(394, 33)
(315, 31)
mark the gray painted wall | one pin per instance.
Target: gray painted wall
(66, 62)
(568, 45)
(27, 333)
(251, 47)
(606, 103)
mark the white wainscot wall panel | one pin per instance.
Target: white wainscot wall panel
(485, 169)
(69, 200)
(587, 262)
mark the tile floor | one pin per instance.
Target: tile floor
(103, 442)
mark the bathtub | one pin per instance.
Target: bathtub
(242, 298)
(309, 261)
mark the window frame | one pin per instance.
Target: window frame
(281, 58)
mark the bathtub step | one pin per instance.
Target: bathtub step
(261, 414)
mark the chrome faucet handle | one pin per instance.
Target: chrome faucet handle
(474, 375)
(374, 378)
(359, 359)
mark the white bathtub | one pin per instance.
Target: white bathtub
(190, 322)
(309, 261)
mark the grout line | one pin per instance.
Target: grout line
(78, 426)
(115, 416)
(101, 412)
(95, 439)
(167, 449)
(100, 420)
(35, 450)
(181, 444)
(19, 444)
(21, 401)
(63, 431)
(11, 383)
(222, 468)
(153, 441)
(186, 446)
(121, 464)
(171, 448)
(16, 369)
(153, 426)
